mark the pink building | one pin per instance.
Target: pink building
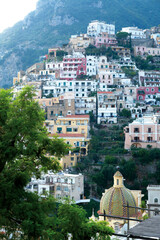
(73, 66)
(147, 93)
(143, 132)
(144, 51)
(104, 39)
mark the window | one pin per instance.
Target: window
(58, 188)
(69, 129)
(149, 130)
(136, 130)
(72, 158)
(117, 181)
(156, 200)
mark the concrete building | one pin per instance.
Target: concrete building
(153, 201)
(143, 132)
(107, 107)
(62, 106)
(135, 32)
(60, 185)
(96, 27)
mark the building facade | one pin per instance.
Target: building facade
(153, 201)
(60, 185)
(95, 28)
(143, 132)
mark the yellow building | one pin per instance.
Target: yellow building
(74, 129)
(114, 202)
(19, 77)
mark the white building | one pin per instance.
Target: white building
(153, 199)
(81, 88)
(95, 28)
(136, 33)
(60, 185)
(85, 105)
(107, 107)
(92, 65)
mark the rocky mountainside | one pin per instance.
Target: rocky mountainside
(54, 21)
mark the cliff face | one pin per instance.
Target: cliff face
(53, 22)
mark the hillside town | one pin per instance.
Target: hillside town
(96, 81)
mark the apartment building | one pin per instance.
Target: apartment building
(96, 27)
(62, 106)
(148, 94)
(107, 71)
(74, 129)
(143, 132)
(81, 87)
(135, 32)
(122, 51)
(85, 105)
(73, 66)
(92, 65)
(149, 78)
(104, 39)
(80, 42)
(107, 107)
(60, 185)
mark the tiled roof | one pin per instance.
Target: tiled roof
(77, 116)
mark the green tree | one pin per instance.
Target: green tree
(72, 219)
(125, 113)
(25, 150)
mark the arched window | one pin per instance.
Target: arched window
(156, 200)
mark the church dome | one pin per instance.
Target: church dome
(114, 199)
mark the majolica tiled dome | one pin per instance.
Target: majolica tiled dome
(114, 198)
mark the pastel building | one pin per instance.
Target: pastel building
(143, 132)
(80, 42)
(96, 27)
(148, 93)
(104, 39)
(73, 66)
(107, 71)
(74, 129)
(145, 51)
(114, 202)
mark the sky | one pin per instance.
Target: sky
(13, 11)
